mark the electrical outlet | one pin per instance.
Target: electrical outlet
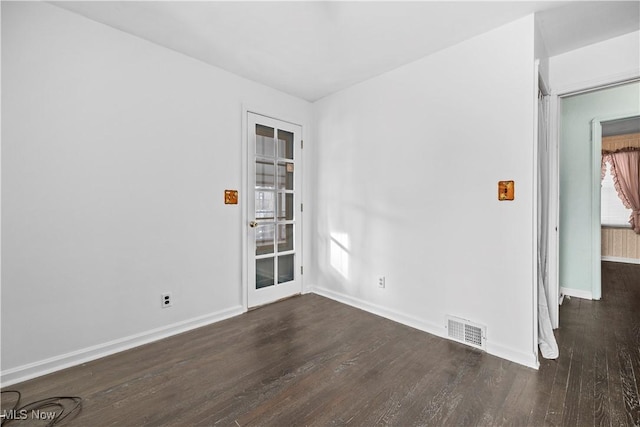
(167, 301)
(382, 282)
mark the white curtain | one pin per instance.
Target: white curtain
(546, 340)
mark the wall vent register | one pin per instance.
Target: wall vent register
(466, 332)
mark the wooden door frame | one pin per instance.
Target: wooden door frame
(596, 198)
(554, 212)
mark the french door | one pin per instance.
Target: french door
(274, 210)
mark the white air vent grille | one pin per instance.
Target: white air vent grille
(466, 332)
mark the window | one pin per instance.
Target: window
(613, 212)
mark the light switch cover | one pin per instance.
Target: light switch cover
(230, 197)
(506, 190)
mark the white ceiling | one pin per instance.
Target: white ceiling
(311, 49)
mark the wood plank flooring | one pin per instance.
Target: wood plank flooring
(310, 361)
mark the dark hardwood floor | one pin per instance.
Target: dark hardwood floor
(312, 361)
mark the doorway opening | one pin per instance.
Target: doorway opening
(619, 195)
(580, 177)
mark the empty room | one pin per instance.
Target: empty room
(318, 213)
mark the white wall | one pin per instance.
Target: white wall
(541, 54)
(408, 165)
(116, 153)
(612, 60)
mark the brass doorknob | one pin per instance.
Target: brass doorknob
(253, 224)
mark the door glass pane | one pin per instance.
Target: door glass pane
(265, 144)
(265, 174)
(285, 176)
(264, 272)
(285, 144)
(265, 204)
(285, 207)
(285, 268)
(265, 235)
(285, 237)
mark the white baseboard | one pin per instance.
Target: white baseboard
(529, 360)
(578, 293)
(620, 259)
(74, 358)
(383, 312)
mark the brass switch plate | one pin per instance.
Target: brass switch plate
(230, 197)
(506, 190)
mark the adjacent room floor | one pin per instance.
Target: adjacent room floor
(312, 361)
